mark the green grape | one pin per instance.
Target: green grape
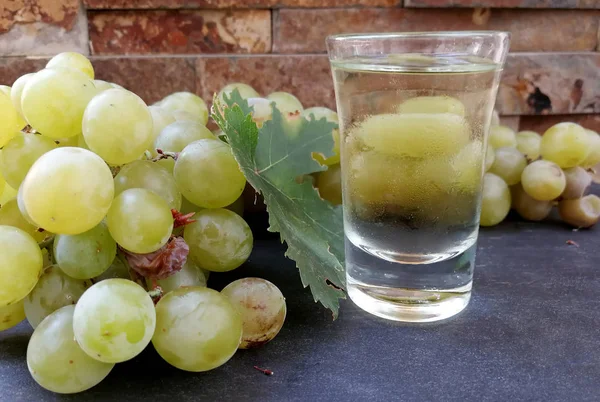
(566, 144)
(54, 99)
(593, 157)
(6, 90)
(117, 125)
(2, 181)
(286, 102)
(261, 110)
(432, 104)
(161, 118)
(208, 175)
(87, 254)
(140, 221)
(114, 320)
(8, 194)
(189, 275)
(246, 91)
(502, 136)
(490, 157)
(54, 290)
(495, 119)
(578, 181)
(23, 208)
(69, 142)
(180, 134)
(582, 212)
(543, 180)
(16, 92)
(10, 215)
(415, 135)
(102, 85)
(329, 183)
(496, 201)
(318, 113)
(68, 190)
(529, 208)
(72, 60)
(184, 115)
(19, 154)
(509, 164)
(20, 264)
(9, 120)
(219, 240)
(167, 163)
(152, 177)
(55, 360)
(118, 269)
(187, 102)
(529, 144)
(197, 329)
(262, 308)
(81, 142)
(11, 315)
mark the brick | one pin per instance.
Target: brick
(180, 32)
(60, 13)
(214, 4)
(504, 3)
(12, 68)
(542, 123)
(304, 31)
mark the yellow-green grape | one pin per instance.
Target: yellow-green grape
(582, 212)
(529, 144)
(20, 153)
(187, 102)
(16, 92)
(10, 215)
(118, 269)
(187, 207)
(188, 275)
(54, 99)
(329, 183)
(502, 136)
(262, 308)
(23, 208)
(416, 135)
(161, 118)
(208, 175)
(566, 144)
(332, 117)
(70, 142)
(54, 290)
(11, 315)
(261, 110)
(9, 120)
(509, 163)
(578, 181)
(465, 173)
(8, 194)
(529, 208)
(167, 163)
(246, 91)
(2, 181)
(55, 360)
(72, 60)
(102, 85)
(286, 102)
(593, 157)
(197, 329)
(219, 240)
(543, 180)
(117, 125)
(495, 202)
(490, 157)
(179, 135)
(151, 176)
(6, 90)
(495, 119)
(20, 264)
(80, 142)
(140, 221)
(68, 190)
(432, 104)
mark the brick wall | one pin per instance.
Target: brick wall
(155, 47)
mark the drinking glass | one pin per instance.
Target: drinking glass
(415, 110)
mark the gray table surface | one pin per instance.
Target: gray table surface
(531, 333)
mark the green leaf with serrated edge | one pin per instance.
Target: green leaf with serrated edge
(272, 158)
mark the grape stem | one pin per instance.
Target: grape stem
(164, 155)
(47, 243)
(156, 293)
(264, 371)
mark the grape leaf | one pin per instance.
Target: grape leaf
(272, 157)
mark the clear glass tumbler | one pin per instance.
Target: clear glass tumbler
(415, 110)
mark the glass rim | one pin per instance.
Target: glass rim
(410, 35)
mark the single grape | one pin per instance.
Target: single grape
(10, 215)
(16, 92)
(465, 169)
(117, 125)
(167, 163)
(6, 90)
(189, 275)
(2, 181)
(543, 180)
(208, 175)
(318, 113)
(262, 308)
(197, 329)
(19, 154)
(566, 144)
(55, 360)
(176, 136)
(502, 136)
(329, 183)
(20, 264)
(9, 120)
(578, 181)
(495, 119)
(54, 290)
(286, 102)
(184, 115)
(8, 194)
(117, 269)
(72, 60)
(102, 85)
(246, 91)
(509, 164)
(261, 110)
(219, 240)
(114, 320)
(23, 208)
(593, 157)
(68, 190)
(152, 177)
(87, 254)
(70, 142)
(11, 315)
(582, 212)
(495, 203)
(490, 157)
(432, 104)
(187, 102)
(54, 99)
(161, 118)
(529, 208)
(529, 144)
(140, 221)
